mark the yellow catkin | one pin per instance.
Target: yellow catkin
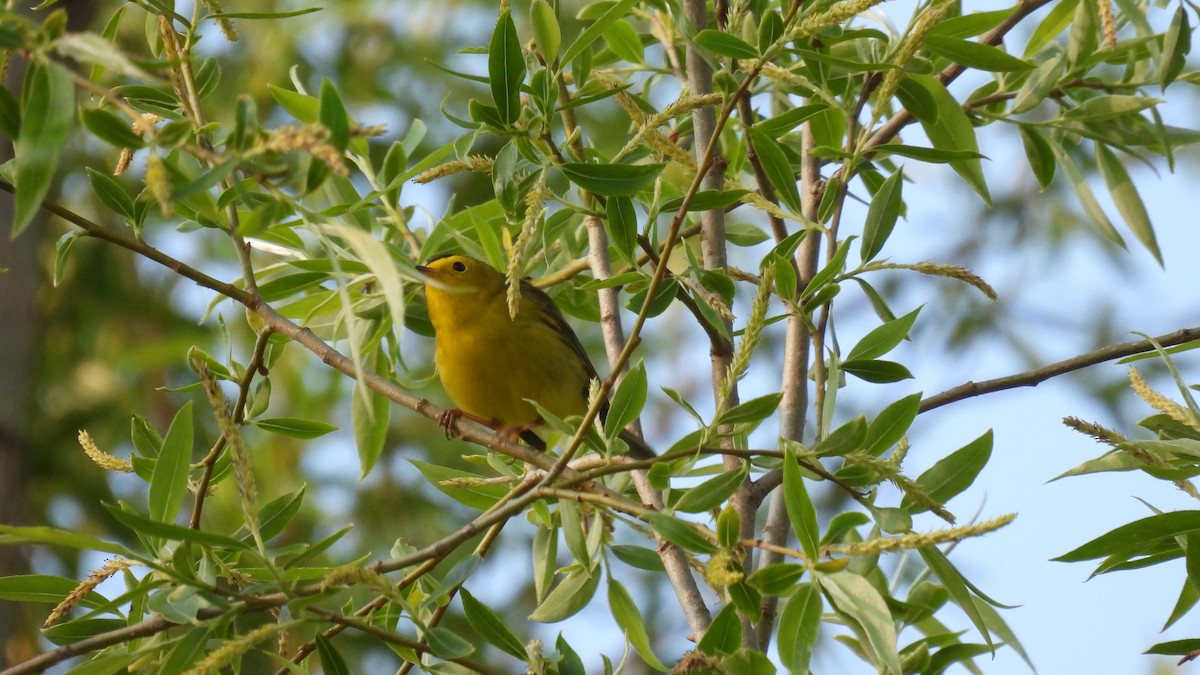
(226, 653)
(835, 15)
(915, 540)
(1096, 431)
(243, 470)
(89, 584)
(937, 269)
(312, 139)
(1109, 23)
(101, 458)
(1161, 403)
(476, 163)
(924, 23)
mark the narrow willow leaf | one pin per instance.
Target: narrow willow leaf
(627, 401)
(881, 216)
(775, 164)
(1052, 26)
(370, 414)
(753, 411)
(155, 528)
(624, 41)
(547, 35)
(1136, 536)
(855, 597)
(956, 585)
(506, 69)
(612, 180)
(1087, 199)
(953, 473)
(469, 489)
(877, 371)
(109, 128)
(295, 427)
(724, 44)
(45, 588)
(331, 660)
(1125, 196)
(777, 579)
(1176, 46)
(974, 54)
(883, 339)
(681, 534)
(724, 634)
(332, 113)
(800, 510)
(712, 492)
(11, 534)
(625, 611)
(447, 644)
(47, 114)
(571, 594)
(785, 122)
(594, 31)
(1039, 153)
(1039, 85)
(799, 624)
(622, 226)
(952, 131)
(891, 424)
(490, 626)
(845, 439)
(168, 485)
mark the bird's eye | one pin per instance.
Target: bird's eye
(460, 267)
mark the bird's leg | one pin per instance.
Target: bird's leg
(450, 416)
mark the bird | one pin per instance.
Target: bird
(490, 362)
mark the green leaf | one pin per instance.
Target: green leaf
(331, 661)
(1138, 536)
(156, 528)
(783, 123)
(303, 107)
(953, 473)
(111, 129)
(506, 69)
(627, 401)
(724, 634)
(469, 489)
(168, 484)
(974, 54)
(594, 31)
(294, 427)
(752, 411)
(931, 155)
(1175, 647)
(10, 114)
(81, 629)
(623, 40)
(830, 270)
(625, 611)
(883, 339)
(1125, 196)
(957, 586)
(891, 424)
(547, 35)
(370, 414)
(1110, 107)
(447, 644)
(879, 372)
(11, 534)
(724, 44)
(1055, 22)
(1039, 85)
(1087, 199)
(799, 625)
(881, 216)
(952, 131)
(637, 556)
(571, 594)
(708, 200)
(61, 248)
(681, 534)
(111, 193)
(490, 626)
(569, 662)
(800, 510)
(777, 579)
(45, 588)
(612, 180)
(1176, 45)
(856, 598)
(47, 112)
(332, 113)
(712, 492)
(970, 25)
(775, 164)
(622, 226)
(1039, 153)
(845, 439)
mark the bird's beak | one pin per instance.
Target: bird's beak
(427, 272)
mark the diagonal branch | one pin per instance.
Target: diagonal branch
(1034, 377)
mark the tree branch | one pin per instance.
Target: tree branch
(1037, 376)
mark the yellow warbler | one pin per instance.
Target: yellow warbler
(490, 363)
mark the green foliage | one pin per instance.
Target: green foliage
(588, 156)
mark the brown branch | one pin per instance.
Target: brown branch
(1034, 377)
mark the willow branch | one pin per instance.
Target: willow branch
(1034, 377)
